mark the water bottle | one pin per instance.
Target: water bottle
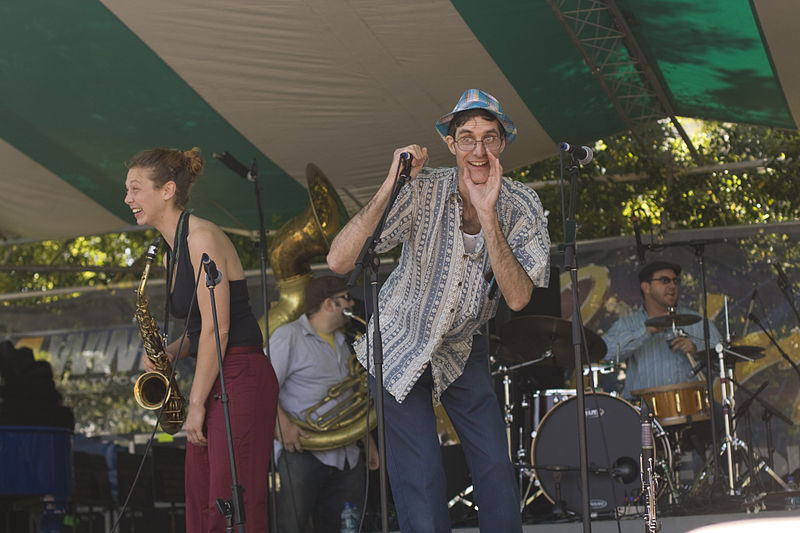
(350, 518)
(791, 501)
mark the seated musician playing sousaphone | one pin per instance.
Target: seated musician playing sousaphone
(311, 355)
(659, 343)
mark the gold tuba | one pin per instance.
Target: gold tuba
(297, 242)
(150, 390)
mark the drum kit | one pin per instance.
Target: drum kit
(541, 420)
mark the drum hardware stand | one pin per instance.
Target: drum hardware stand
(461, 498)
(508, 405)
(733, 443)
(726, 380)
(727, 407)
(525, 471)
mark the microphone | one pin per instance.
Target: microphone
(580, 154)
(624, 470)
(213, 276)
(749, 312)
(640, 248)
(648, 451)
(405, 170)
(252, 174)
(232, 163)
(649, 482)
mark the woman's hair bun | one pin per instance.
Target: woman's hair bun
(194, 161)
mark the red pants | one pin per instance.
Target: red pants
(253, 399)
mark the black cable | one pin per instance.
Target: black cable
(288, 469)
(367, 430)
(603, 439)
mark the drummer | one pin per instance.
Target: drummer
(653, 355)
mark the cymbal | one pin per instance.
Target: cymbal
(527, 337)
(753, 352)
(666, 321)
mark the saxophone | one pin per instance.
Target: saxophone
(152, 389)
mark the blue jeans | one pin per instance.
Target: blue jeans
(312, 489)
(414, 458)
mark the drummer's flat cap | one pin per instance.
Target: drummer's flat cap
(647, 271)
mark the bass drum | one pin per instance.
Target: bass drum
(614, 443)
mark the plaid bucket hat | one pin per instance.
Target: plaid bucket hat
(477, 99)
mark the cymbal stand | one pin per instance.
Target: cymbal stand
(508, 416)
(508, 405)
(726, 385)
(525, 471)
(508, 408)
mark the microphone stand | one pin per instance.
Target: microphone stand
(786, 289)
(251, 174)
(778, 346)
(570, 263)
(232, 509)
(368, 262)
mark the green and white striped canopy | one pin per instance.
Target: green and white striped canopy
(84, 84)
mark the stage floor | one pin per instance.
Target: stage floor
(669, 524)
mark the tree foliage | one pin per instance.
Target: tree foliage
(668, 192)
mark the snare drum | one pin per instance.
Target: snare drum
(677, 404)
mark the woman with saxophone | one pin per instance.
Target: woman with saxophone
(157, 191)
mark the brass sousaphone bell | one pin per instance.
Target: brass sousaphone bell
(301, 239)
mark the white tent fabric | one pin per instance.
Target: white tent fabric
(340, 83)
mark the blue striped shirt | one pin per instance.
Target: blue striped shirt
(307, 367)
(439, 295)
(650, 360)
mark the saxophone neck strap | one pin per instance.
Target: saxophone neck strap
(172, 259)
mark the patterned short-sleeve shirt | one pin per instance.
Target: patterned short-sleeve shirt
(439, 295)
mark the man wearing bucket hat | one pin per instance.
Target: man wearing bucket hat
(468, 236)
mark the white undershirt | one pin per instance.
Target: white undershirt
(471, 241)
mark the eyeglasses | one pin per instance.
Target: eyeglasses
(666, 280)
(346, 297)
(467, 144)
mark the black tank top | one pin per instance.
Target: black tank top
(244, 328)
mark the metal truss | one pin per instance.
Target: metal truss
(602, 36)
